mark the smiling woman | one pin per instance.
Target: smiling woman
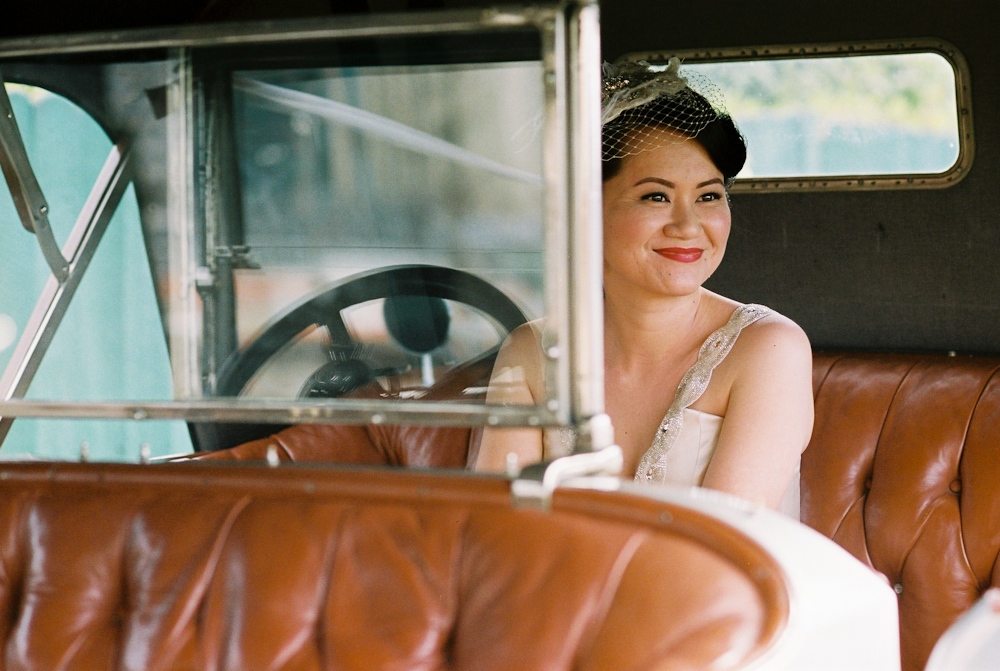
(701, 390)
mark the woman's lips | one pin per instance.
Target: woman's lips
(681, 254)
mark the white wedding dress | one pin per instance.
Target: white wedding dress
(686, 438)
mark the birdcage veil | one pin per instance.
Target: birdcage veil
(639, 99)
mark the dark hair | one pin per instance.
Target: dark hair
(720, 138)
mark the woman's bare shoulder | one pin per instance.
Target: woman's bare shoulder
(523, 341)
(773, 331)
(777, 342)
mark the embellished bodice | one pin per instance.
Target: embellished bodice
(686, 438)
(654, 464)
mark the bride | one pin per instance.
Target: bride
(701, 390)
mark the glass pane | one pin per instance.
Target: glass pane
(315, 218)
(345, 171)
(52, 129)
(111, 343)
(844, 115)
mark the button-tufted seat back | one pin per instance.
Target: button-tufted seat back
(200, 567)
(903, 470)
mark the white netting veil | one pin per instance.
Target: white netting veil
(638, 100)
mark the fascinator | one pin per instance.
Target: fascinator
(638, 98)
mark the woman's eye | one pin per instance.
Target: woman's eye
(712, 195)
(656, 197)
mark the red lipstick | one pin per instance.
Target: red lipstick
(680, 254)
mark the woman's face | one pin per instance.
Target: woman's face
(666, 220)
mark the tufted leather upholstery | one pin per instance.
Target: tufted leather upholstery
(411, 446)
(903, 470)
(199, 567)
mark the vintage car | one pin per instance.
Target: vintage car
(256, 265)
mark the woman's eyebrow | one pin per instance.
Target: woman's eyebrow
(666, 182)
(656, 180)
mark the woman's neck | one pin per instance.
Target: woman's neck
(638, 329)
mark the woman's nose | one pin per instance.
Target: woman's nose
(683, 220)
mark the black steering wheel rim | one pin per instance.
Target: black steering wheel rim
(324, 309)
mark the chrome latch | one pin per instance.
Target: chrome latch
(535, 484)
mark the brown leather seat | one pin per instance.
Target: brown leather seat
(903, 470)
(389, 445)
(410, 446)
(193, 566)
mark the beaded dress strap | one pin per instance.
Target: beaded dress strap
(715, 348)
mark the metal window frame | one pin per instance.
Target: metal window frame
(856, 182)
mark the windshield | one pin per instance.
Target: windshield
(320, 228)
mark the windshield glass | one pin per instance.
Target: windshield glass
(345, 171)
(321, 228)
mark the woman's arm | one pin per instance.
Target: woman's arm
(769, 416)
(516, 380)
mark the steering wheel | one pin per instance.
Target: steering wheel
(415, 315)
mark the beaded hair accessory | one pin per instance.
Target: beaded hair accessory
(638, 98)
